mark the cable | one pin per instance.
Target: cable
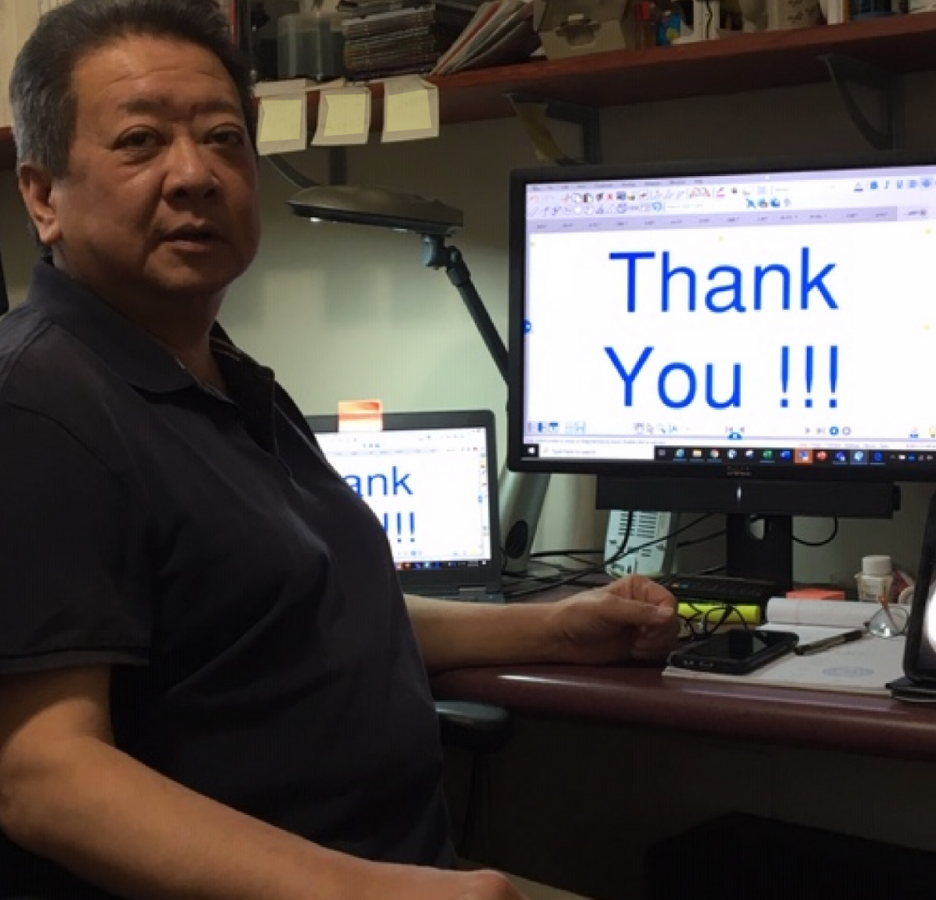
(825, 541)
(540, 554)
(539, 584)
(534, 584)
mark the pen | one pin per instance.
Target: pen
(829, 642)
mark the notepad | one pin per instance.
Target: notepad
(864, 666)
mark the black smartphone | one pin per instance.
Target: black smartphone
(919, 662)
(735, 652)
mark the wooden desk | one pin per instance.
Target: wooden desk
(607, 761)
(637, 695)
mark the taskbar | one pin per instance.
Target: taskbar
(787, 456)
(436, 565)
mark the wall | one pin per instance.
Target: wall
(350, 312)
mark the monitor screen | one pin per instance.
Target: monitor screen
(726, 337)
(427, 477)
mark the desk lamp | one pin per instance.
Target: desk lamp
(522, 495)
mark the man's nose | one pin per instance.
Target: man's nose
(189, 169)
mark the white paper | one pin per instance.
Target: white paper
(18, 18)
(864, 667)
(830, 613)
(344, 117)
(282, 124)
(411, 109)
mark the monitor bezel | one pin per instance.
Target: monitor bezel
(632, 469)
(487, 573)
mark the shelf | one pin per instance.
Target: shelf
(746, 62)
(738, 63)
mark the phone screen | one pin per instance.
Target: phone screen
(736, 651)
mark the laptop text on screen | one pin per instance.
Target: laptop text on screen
(430, 479)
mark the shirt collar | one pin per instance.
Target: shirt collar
(129, 350)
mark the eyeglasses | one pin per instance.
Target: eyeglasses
(889, 621)
(705, 619)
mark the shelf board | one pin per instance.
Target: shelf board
(744, 62)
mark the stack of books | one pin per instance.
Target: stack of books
(501, 32)
(395, 37)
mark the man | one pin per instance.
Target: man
(210, 684)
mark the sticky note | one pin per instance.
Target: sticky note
(360, 415)
(411, 109)
(282, 124)
(344, 117)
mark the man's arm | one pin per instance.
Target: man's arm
(632, 618)
(68, 794)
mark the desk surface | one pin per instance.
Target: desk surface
(640, 695)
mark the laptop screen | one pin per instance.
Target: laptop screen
(430, 478)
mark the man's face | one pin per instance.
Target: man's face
(160, 202)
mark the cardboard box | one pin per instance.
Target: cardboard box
(578, 27)
(18, 18)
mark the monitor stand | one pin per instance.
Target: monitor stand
(759, 547)
(759, 544)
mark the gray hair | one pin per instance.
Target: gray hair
(41, 94)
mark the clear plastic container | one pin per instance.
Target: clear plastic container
(310, 43)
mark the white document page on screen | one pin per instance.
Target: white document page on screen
(670, 323)
(432, 501)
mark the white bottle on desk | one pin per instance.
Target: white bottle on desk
(875, 579)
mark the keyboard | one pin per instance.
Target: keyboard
(722, 589)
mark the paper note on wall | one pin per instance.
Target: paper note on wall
(282, 124)
(411, 109)
(18, 19)
(344, 117)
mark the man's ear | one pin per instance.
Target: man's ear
(35, 184)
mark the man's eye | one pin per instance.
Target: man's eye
(138, 140)
(227, 138)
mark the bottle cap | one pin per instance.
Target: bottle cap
(876, 565)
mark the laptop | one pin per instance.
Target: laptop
(430, 477)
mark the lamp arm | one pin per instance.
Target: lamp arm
(438, 255)
(522, 494)
(290, 172)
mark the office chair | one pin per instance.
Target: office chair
(480, 729)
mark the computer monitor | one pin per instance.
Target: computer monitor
(749, 338)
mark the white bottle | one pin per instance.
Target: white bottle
(875, 579)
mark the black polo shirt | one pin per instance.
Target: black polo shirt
(244, 596)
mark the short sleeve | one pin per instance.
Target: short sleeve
(74, 586)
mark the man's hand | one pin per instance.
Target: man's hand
(439, 884)
(632, 618)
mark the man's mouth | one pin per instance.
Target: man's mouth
(193, 235)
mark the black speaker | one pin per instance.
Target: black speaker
(521, 502)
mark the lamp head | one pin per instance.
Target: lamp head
(375, 206)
